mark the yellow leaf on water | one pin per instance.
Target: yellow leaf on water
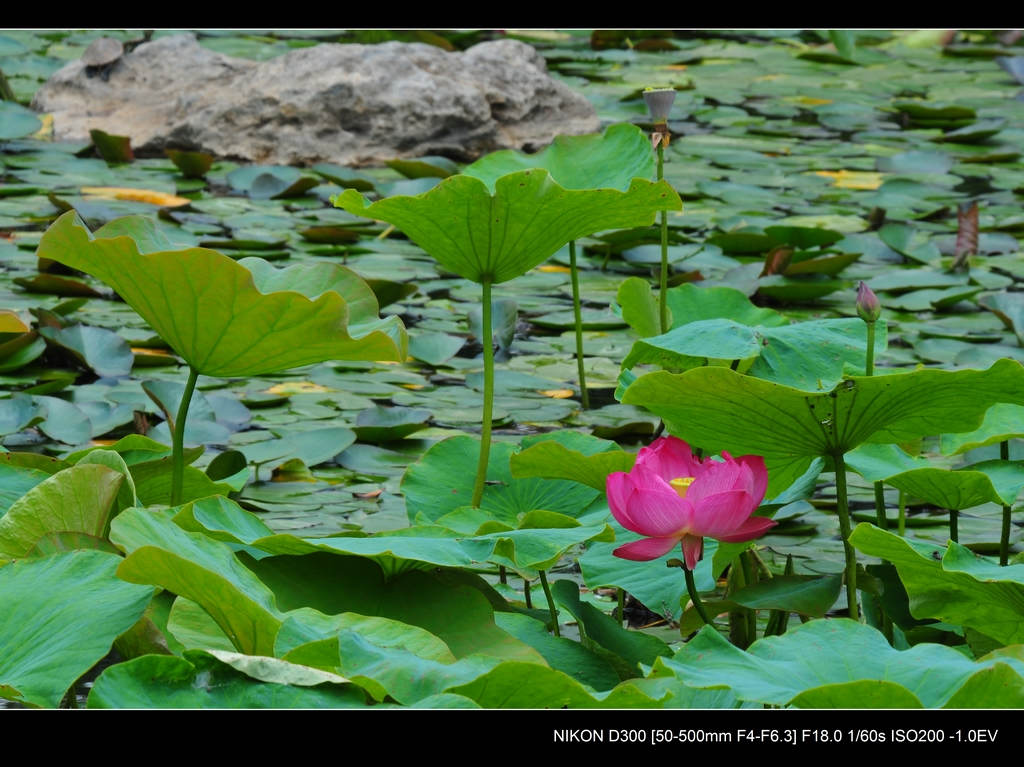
(557, 393)
(148, 350)
(413, 387)
(11, 322)
(809, 101)
(298, 387)
(46, 131)
(553, 268)
(853, 179)
(102, 442)
(135, 195)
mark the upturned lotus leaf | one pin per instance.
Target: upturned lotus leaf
(228, 318)
(496, 237)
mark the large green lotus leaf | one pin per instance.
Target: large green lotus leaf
(875, 461)
(658, 586)
(78, 499)
(954, 584)
(601, 160)
(1003, 421)
(126, 497)
(59, 616)
(720, 409)
(571, 455)
(384, 667)
(191, 627)
(15, 481)
(989, 482)
(534, 548)
(639, 306)
(153, 483)
(529, 685)
(136, 448)
(447, 604)
(690, 303)
(804, 594)
(495, 238)
(808, 355)
(438, 484)
(201, 569)
(222, 519)
(628, 648)
(566, 655)
(203, 680)
(305, 626)
(413, 547)
(833, 654)
(218, 315)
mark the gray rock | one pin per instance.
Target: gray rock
(349, 104)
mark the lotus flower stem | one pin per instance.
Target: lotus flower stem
(485, 427)
(869, 370)
(843, 508)
(663, 280)
(1004, 537)
(750, 577)
(691, 588)
(622, 605)
(526, 594)
(954, 525)
(574, 273)
(551, 602)
(178, 438)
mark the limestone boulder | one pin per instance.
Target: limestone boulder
(349, 104)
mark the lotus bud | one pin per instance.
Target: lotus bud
(867, 303)
(659, 102)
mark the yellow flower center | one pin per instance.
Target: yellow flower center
(681, 485)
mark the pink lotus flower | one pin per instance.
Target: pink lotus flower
(671, 497)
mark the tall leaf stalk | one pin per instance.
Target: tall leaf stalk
(178, 438)
(485, 426)
(578, 315)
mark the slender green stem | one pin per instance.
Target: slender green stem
(527, 594)
(622, 605)
(750, 576)
(880, 505)
(1004, 538)
(869, 360)
(178, 438)
(485, 427)
(954, 525)
(691, 587)
(663, 280)
(843, 507)
(502, 574)
(574, 274)
(901, 525)
(551, 603)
